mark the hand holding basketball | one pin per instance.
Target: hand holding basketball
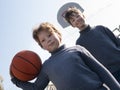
(25, 65)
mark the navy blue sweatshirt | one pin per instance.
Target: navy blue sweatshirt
(71, 68)
(103, 45)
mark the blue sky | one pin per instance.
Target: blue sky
(17, 18)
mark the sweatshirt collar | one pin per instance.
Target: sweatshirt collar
(85, 30)
(59, 49)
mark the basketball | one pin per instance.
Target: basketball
(26, 65)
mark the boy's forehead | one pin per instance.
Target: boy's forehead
(43, 34)
(46, 31)
(74, 14)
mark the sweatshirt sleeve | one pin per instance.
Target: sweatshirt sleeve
(105, 76)
(40, 83)
(23, 85)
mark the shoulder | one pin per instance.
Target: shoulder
(75, 47)
(100, 27)
(78, 48)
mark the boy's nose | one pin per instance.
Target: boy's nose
(77, 22)
(49, 40)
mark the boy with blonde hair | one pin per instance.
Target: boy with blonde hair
(72, 68)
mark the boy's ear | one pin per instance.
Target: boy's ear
(62, 10)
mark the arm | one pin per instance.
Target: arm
(102, 72)
(23, 85)
(40, 83)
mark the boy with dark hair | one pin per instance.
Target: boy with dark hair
(98, 40)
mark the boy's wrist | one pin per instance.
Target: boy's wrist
(15, 80)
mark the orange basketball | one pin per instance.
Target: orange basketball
(25, 65)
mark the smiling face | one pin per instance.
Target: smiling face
(50, 41)
(47, 36)
(75, 17)
(77, 20)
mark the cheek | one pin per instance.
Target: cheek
(59, 39)
(44, 46)
(73, 24)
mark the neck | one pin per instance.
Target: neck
(83, 27)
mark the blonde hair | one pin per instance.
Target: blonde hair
(46, 26)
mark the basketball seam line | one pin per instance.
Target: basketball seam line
(22, 71)
(28, 61)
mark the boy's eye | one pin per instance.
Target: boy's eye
(42, 40)
(77, 16)
(49, 35)
(73, 20)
